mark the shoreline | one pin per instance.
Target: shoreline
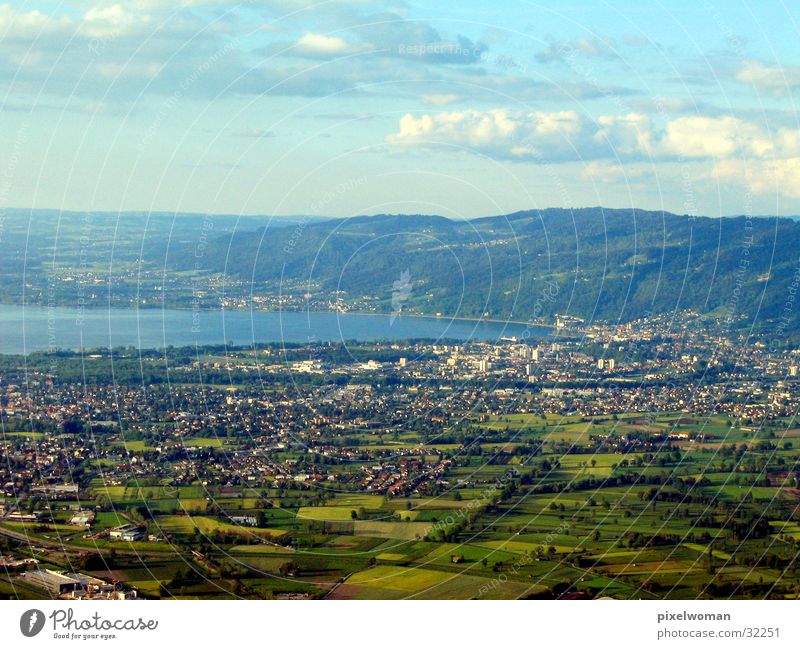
(432, 317)
(522, 323)
(141, 327)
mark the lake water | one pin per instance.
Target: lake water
(34, 328)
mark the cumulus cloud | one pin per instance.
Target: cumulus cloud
(626, 135)
(611, 144)
(693, 137)
(714, 137)
(499, 132)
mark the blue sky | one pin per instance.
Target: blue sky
(341, 108)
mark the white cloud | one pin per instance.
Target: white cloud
(112, 21)
(762, 176)
(499, 132)
(83, 54)
(627, 135)
(778, 80)
(714, 137)
(693, 137)
(310, 44)
(612, 146)
(31, 24)
(630, 136)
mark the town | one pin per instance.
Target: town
(652, 459)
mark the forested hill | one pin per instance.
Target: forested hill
(607, 264)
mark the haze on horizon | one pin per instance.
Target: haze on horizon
(335, 108)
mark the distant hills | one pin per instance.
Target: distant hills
(594, 263)
(613, 265)
(37, 238)
(58, 257)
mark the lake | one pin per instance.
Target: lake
(38, 328)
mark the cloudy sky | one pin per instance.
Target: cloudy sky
(462, 109)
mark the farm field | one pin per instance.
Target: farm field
(554, 508)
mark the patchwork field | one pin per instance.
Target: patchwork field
(564, 507)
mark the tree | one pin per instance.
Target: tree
(711, 568)
(288, 569)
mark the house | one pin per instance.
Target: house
(19, 517)
(247, 521)
(82, 518)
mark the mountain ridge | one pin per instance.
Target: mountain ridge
(594, 263)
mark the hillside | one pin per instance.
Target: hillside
(595, 263)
